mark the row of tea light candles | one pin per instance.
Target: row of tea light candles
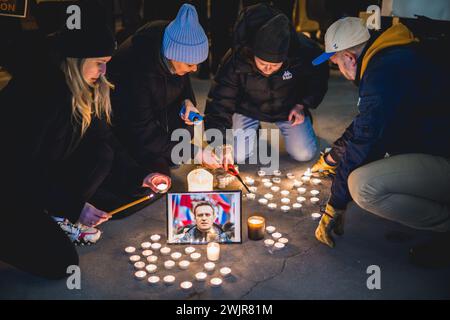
(256, 231)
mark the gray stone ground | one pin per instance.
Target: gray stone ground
(304, 270)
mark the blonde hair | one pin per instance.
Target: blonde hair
(87, 100)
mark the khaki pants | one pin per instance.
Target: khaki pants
(412, 189)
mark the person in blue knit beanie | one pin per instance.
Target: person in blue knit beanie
(151, 74)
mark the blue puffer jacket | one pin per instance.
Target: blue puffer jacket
(403, 108)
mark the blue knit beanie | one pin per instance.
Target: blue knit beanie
(184, 39)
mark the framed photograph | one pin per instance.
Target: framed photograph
(202, 217)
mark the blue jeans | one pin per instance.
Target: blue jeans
(300, 141)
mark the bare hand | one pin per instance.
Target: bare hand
(226, 156)
(207, 158)
(153, 180)
(297, 116)
(92, 217)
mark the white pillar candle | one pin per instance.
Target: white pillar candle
(165, 251)
(314, 192)
(263, 201)
(139, 265)
(285, 200)
(169, 280)
(276, 180)
(253, 189)
(268, 184)
(130, 250)
(213, 251)
(176, 255)
(270, 229)
(152, 259)
(140, 275)
(301, 199)
(200, 276)
(297, 184)
(161, 187)
(277, 173)
(186, 285)
(147, 253)
(156, 246)
(184, 264)
(269, 242)
(301, 190)
(316, 181)
(283, 240)
(279, 246)
(209, 266)
(275, 188)
(196, 256)
(200, 180)
(290, 175)
(268, 196)
(155, 237)
(284, 193)
(216, 282)
(261, 173)
(285, 208)
(251, 196)
(225, 271)
(316, 216)
(276, 235)
(169, 264)
(151, 268)
(153, 280)
(135, 258)
(146, 245)
(297, 206)
(314, 200)
(272, 206)
(189, 250)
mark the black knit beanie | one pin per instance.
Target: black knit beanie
(272, 40)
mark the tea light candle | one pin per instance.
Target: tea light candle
(169, 264)
(225, 271)
(308, 172)
(184, 264)
(279, 246)
(196, 256)
(297, 184)
(186, 285)
(155, 237)
(130, 250)
(284, 193)
(152, 259)
(316, 216)
(277, 173)
(314, 200)
(156, 246)
(261, 173)
(209, 266)
(253, 189)
(251, 196)
(270, 229)
(165, 251)
(306, 179)
(213, 251)
(249, 181)
(285, 208)
(275, 188)
(147, 253)
(268, 196)
(276, 180)
(216, 282)
(175, 255)
(140, 275)
(268, 184)
(301, 190)
(265, 180)
(146, 245)
(276, 235)
(200, 276)
(297, 206)
(256, 226)
(272, 206)
(263, 201)
(316, 181)
(161, 187)
(153, 280)
(285, 200)
(169, 280)
(151, 268)
(269, 242)
(290, 175)
(315, 192)
(139, 265)
(135, 258)
(189, 250)
(283, 240)
(301, 199)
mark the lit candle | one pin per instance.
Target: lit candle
(200, 276)
(269, 242)
(156, 246)
(189, 250)
(169, 280)
(146, 245)
(176, 255)
(139, 265)
(253, 189)
(276, 180)
(268, 184)
(314, 200)
(155, 237)
(283, 240)
(256, 226)
(268, 196)
(301, 199)
(265, 180)
(272, 206)
(213, 251)
(140, 275)
(186, 285)
(130, 250)
(276, 235)
(196, 256)
(225, 271)
(290, 175)
(153, 280)
(297, 206)
(315, 192)
(209, 266)
(285, 208)
(285, 200)
(161, 187)
(279, 246)
(151, 268)
(308, 172)
(275, 188)
(316, 181)
(165, 251)
(216, 282)
(135, 258)
(306, 179)
(263, 201)
(270, 229)
(277, 173)
(316, 216)
(152, 259)
(200, 180)
(169, 264)
(147, 253)
(284, 193)
(184, 264)
(261, 173)
(249, 181)
(297, 184)
(251, 196)
(301, 190)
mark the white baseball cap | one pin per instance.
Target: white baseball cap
(343, 34)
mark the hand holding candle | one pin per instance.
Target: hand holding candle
(159, 183)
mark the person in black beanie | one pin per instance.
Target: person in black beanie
(59, 149)
(267, 78)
